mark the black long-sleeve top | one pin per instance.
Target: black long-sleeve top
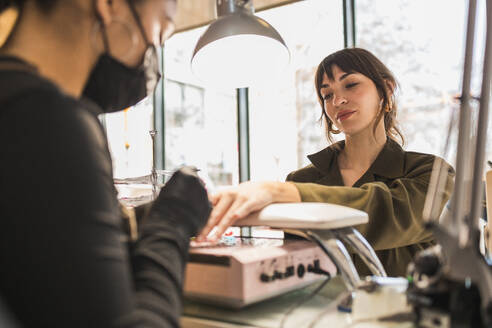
(63, 257)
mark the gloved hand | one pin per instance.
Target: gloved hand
(184, 201)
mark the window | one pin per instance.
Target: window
(284, 112)
(426, 58)
(129, 140)
(200, 123)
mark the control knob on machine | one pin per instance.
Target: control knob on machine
(301, 270)
(265, 278)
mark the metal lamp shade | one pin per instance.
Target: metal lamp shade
(239, 50)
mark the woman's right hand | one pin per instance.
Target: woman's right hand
(238, 202)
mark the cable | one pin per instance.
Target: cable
(313, 237)
(345, 267)
(400, 317)
(331, 306)
(303, 300)
(309, 235)
(361, 246)
(314, 270)
(339, 255)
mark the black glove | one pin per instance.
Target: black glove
(183, 201)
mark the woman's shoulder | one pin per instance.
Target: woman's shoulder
(30, 97)
(24, 87)
(419, 157)
(416, 162)
(41, 107)
(308, 173)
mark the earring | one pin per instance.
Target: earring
(389, 108)
(335, 131)
(116, 24)
(331, 129)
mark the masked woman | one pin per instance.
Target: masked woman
(63, 256)
(368, 170)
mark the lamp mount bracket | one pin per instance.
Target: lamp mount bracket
(228, 7)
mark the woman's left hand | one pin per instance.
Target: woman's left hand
(237, 202)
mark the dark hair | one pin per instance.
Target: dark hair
(358, 60)
(45, 5)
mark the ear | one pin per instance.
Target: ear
(108, 9)
(103, 10)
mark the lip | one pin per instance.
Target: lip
(344, 114)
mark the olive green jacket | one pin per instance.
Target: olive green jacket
(392, 192)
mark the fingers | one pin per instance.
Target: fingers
(221, 204)
(214, 198)
(225, 223)
(223, 216)
(237, 212)
(246, 208)
(235, 204)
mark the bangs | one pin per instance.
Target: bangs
(347, 61)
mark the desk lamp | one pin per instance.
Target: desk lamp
(238, 49)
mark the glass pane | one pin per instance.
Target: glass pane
(200, 123)
(129, 139)
(284, 113)
(427, 60)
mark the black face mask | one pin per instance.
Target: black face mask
(115, 86)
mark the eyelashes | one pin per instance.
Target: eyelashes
(328, 96)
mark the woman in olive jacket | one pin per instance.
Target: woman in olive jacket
(368, 170)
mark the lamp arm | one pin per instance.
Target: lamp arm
(337, 253)
(355, 239)
(227, 7)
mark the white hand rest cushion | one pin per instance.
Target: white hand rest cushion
(317, 216)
